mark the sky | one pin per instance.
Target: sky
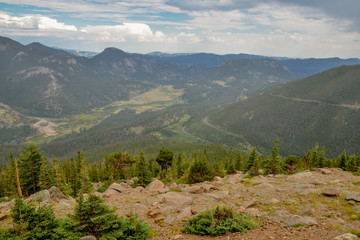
(286, 28)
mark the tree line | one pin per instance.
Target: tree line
(30, 172)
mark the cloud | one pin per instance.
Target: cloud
(125, 32)
(33, 22)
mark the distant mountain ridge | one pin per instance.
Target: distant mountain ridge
(323, 108)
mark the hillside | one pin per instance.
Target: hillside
(237, 79)
(322, 108)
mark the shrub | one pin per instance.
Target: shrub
(93, 217)
(218, 221)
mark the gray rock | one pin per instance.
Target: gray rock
(88, 238)
(169, 219)
(177, 199)
(218, 195)
(353, 196)
(292, 220)
(193, 189)
(56, 194)
(44, 195)
(186, 213)
(346, 236)
(325, 171)
(155, 185)
(218, 179)
(300, 175)
(114, 189)
(248, 204)
(332, 192)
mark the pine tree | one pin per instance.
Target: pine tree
(93, 217)
(164, 158)
(272, 165)
(30, 161)
(180, 166)
(238, 164)
(255, 168)
(342, 160)
(142, 171)
(10, 183)
(250, 160)
(46, 180)
(321, 159)
(200, 171)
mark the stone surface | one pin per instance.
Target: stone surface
(44, 195)
(56, 194)
(331, 192)
(157, 184)
(292, 220)
(353, 196)
(346, 236)
(177, 198)
(186, 213)
(3, 216)
(248, 204)
(218, 195)
(217, 178)
(193, 189)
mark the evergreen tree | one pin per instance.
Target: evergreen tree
(38, 223)
(46, 179)
(142, 171)
(272, 165)
(342, 161)
(352, 164)
(238, 163)
(93, 217)
(200, 171)
(9, 178)
(30, 161)
(164, 158)
(291, 163)
(255, 168)
(218, 169)
(250, 160)
(321, 159)
(180, 166)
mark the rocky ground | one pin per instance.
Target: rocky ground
(320, 204)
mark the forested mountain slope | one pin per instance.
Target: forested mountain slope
(322, 108)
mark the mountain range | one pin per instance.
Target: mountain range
(67, 101)
(323, 109)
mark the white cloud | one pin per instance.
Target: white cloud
(33, 22)
(128, 31)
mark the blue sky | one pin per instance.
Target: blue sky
(291, 28)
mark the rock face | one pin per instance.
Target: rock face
(333, 192)
(44, 195)
(56, 194)
(114, 189)
(178, 198)
(293, 220)
(346, 236)
(157, 184)
(353, 196)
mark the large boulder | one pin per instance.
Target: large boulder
(156, 184)
(355, 196)
(346, 236)
(114, 189)
(56, 194)
(177, 199)
(44, 195)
